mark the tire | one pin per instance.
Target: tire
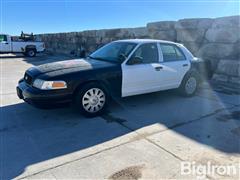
(92, 100)
(31, 52)
(190, 84)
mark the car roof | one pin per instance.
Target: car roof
(145, 41)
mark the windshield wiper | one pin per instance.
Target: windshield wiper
(103, 59)
(89, 56)
(97, 58)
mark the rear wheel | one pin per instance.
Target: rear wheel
(92, 100)
(31, 52)
(189, 84)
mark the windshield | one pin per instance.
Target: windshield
(116, 51)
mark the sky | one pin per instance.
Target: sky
(51, 16)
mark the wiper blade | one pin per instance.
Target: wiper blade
(98, 58)
(90, 57)
(103, 59)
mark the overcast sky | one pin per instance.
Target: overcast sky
(49, 16)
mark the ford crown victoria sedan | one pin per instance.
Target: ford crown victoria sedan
(119, 69)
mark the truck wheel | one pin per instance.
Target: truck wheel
(190, 84)
(92, 99)
(31, 52)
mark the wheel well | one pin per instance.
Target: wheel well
(30, 47)
(192, 70)
(101, 83)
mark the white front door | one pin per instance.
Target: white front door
(142, 72)
(5, 45)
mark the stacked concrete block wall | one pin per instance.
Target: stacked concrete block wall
(214, 40)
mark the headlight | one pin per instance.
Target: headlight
(48, 85)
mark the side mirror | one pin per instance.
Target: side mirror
(135, 60)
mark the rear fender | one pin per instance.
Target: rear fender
(30, 47)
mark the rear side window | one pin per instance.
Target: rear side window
(172, 53)
(3, 38)
(148, 53)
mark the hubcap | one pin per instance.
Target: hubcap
(31, 53)
(191, 85)
(93, 100)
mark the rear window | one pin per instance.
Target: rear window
(172, 53)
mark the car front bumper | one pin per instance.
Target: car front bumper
(42, 98)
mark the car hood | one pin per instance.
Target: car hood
(67, 66)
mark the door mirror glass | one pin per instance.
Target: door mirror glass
(135, 60)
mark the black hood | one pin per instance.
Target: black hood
(68, 66)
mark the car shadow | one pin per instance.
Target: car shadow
(11, 56)
(30, 136)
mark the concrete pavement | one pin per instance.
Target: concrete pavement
(146, 136)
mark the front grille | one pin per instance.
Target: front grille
(28, 79)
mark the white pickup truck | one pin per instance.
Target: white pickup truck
(20, 45)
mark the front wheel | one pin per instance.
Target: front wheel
(92, 100)
(190, 84)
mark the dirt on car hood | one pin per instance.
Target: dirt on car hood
(67, 66)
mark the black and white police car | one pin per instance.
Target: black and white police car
(119, 69)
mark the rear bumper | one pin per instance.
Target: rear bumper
(42, 98)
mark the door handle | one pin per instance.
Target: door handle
(185, 65)
(158, 68)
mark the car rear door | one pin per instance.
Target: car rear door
(144, 77)
(174, 65)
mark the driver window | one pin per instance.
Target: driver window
(147, 53)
